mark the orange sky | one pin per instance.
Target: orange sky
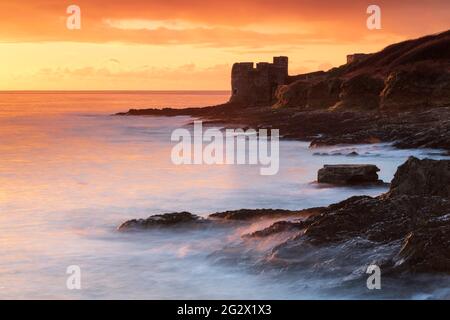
(190, 44)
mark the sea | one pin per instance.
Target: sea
(71, 172)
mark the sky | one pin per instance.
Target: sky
(191, 44)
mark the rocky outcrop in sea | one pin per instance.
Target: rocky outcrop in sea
(349, 174)
(407, 229)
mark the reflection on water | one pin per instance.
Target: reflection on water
(70, 173)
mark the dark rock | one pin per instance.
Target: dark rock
(309, 93)
(293, 95)
(405, 230)
(420, 129)
(406, 75)
(426, 249)
(285, 226)
(421, 223)
(162, 220)
(408, 129)
(324, 93)
(409, 224)
(380, 219)
(277, 227)
(249, 214)
(360, 92)
(422, 86)
(422, 177)
(348, 174)
(188, 219)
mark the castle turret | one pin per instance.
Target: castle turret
(279, 70)
(256, 86)
(281, 63)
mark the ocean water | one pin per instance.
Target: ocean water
(70, 173)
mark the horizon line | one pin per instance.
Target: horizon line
(118, 91)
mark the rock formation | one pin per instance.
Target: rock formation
(400, 94)
(348, 174)
(249, 214)
(162, 220)
(356, 57)
(423, 178)
(421, 86)
(412, 221)
(309, 94)
(406, 229)
(407, 75)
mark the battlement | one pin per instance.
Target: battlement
(256, 86)
(281, 62)
(262, 66)
(242, 67)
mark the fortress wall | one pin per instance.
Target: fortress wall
(256, 86)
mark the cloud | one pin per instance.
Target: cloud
(188, 76)
(149, 44)
(114, 60)
(232, 23)
(142, 72)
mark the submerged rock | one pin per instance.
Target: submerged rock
(249, 214)
(188, 219)
(162, 220)
(348, 174)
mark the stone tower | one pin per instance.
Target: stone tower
(256, 86)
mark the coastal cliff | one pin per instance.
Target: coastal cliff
(400, 94)
(413, 74)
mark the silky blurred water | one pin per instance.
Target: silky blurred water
(70, 173)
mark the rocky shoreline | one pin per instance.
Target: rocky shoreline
(400, 95)
(406, 130)
(407, 229)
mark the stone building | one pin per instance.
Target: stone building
(256, 86)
